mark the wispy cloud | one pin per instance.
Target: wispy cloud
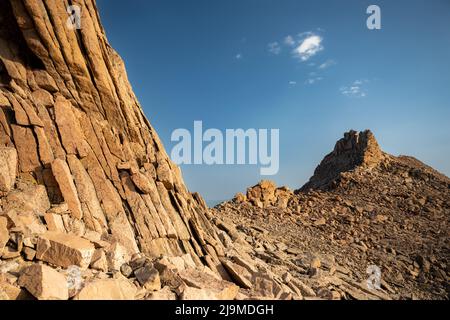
(313, 80)
(289, 41)
(238, 56)
(292, 83)
(309, 47)
(327, 64)
(305, 44)
(355, 90)
(274, 48)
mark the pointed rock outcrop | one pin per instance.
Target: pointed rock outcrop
(355, 149)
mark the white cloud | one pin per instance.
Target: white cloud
(239, 56)
(274, 48)
(310, 46)
(313, 80)
(327, 64)
(355, 90)
(289, 40)
(292, 83)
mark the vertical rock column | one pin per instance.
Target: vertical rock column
(67, 108)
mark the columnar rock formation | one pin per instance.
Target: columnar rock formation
(69, 116)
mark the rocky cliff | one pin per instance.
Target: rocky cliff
(71, 124)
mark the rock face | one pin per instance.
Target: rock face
(70, 122)
(355, 149)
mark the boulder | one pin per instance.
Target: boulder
(266, 194)
(29, 253)
(99, 261)
(116, 255)
(30, 199)
(11, 292)
(44, 283)
(64, 250)
(107, 289)
(203, 286)
(54, 222)
(164, 294)
(26, 222)
(239, 274)
(148, 277)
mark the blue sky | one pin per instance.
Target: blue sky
(231, 65)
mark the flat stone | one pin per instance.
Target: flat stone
(99, 261)
(64, 250)
(54, 222)
(44, 283)
(201, 286)
(29, 253)
(238, 273)
(107, 289)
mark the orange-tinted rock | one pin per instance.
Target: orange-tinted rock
(64, 250)
(44, 283)
(8, 171)
(64, 178)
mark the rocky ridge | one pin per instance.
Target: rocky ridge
(361, 208)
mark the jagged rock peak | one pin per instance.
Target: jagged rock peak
(355, 149)
(361, 146)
